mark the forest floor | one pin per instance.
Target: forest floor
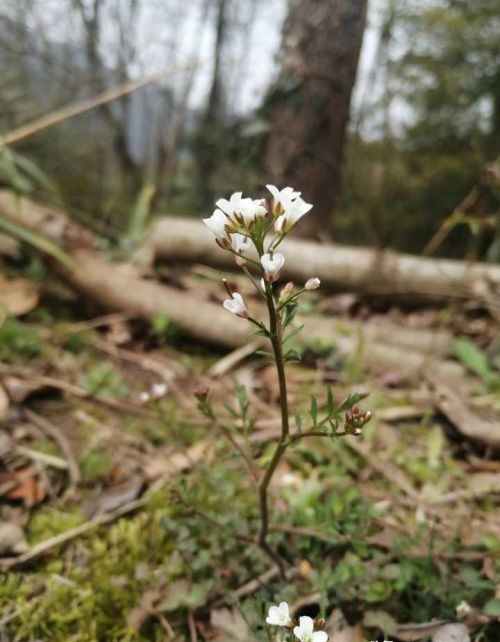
(122, 509)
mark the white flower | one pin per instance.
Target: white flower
(305, 631)
(272, 264)
(144, 397)
(244, 207)
(236, 305)
(291, 215)
(312, 284)
(240, 243)
(250, 210)
(217, 224)
(279, 615)
(282, 198)
(231, 206)
(159, 389)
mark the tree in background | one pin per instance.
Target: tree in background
(308, 106)
(436, 81)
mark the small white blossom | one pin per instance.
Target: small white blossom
(272, 264)
(279, 615)
(246, 208)
(240, 243)
(144, 397)
(291, 215)
(306, 633)
(282, 198)
(236, 305)
(312, 284)
(159, 389)
(217, 223)
(250, 210)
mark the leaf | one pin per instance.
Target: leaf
(35, 240)
(140, 214)
(230, 626)
(12, 539)
(452, 633)
(314, 410)
(352, 400)
(4, 403)
(330, 403)
(492, 608)
(473, 359)
(381, 620)
(26, 486)
(17, 296)
(298, 423)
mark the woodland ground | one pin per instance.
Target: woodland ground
(382, 534)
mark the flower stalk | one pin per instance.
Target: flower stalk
(237, 223)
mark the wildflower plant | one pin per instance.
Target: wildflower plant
(253, 230)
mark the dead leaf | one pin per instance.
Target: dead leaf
(12, 539)
(452, 633)
(18, 296)
(27, 487)
(470, 424)
(4, 403)
(339, 629)
(20, 389)
(416, 632)
(230, 626)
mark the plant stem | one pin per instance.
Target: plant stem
(275, 337)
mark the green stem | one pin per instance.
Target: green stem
(275, 337)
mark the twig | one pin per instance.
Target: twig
(76, 391)
(52, 431)
(192, 626)
(43, 458)
(60, 115)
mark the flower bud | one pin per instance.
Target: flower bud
(312, 284)
(288, 289)
(201, 392)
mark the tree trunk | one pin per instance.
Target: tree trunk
(207, 140)
(356, 269)
(309, 105)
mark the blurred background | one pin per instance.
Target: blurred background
(124, 515)
(385, 113)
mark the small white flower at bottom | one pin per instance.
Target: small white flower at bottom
(279, 615)
(305, 631)
(159, 389)
(272, 265)
(236, 305)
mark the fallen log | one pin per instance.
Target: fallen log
(120, 287)
(341, 267)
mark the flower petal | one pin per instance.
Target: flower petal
(306, 624)
(320, 636)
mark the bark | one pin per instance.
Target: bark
(309, 105)
(207, 140)
(364, 270)
(120, 287)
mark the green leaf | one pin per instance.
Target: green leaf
(473, 359)
(35, 240)
(298, 423)
(292, 334)
(314, 410)
(352, 400)
(140, 213)
(492, 608)
(329, 402)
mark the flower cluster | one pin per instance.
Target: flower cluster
(241, 223)
(303, 631)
